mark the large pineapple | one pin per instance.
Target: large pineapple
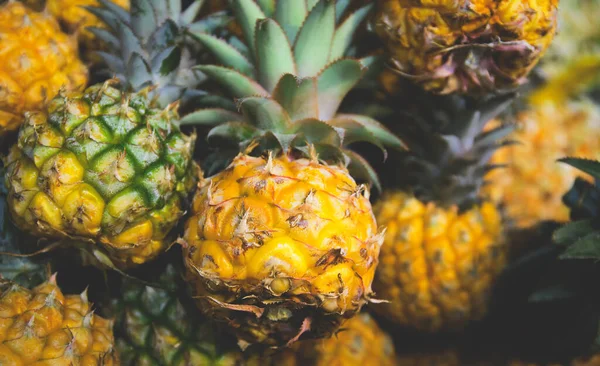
(360, 341)
(36, 60)
(443, 246)
(283, 244)
(544, 134)
(467, 46)
(44, 327)
(110, 165)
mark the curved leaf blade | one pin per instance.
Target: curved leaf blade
(313, 44)
(225, 53)
(210, 117)
(273, 52)
(345, 32)
(238, 84)
(298, 97)
(334, 83)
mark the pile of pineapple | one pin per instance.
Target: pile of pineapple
(299, 182)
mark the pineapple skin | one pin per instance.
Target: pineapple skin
(436, 265)
(465, 46)
(102, 166)
(276, 246)
(36, 60)
(44, 327)
(545, 133)
(153, 327)
(360, 341)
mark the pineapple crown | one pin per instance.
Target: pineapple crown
(449, 150)
(149, 46)
(289, 79)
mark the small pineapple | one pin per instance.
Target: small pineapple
(283, 244)
(466, 46)
(36, 60)
(154, 327)
(44, 327)
(110, 165)
(360, 341)
(544, 134)
(444, 245)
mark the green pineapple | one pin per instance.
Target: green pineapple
(110, 165)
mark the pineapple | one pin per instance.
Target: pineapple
(282, 243)
(444, 245)
(154, 327)
(466, 46)
(77, 18)
(360, 341)
(36, 60)
(109, 165)
(44, 327)
(572, 63)
(545, 133)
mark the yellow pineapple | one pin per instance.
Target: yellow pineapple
(444, 245)
(36, 60)
(360, 341)
(282, 243)
(466, 46)
(544, 134)
(77, 18)
(44, 327)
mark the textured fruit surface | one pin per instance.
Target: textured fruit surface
(269, 236)
(545, 133)
(153, 327)
(77, 18)
(466, 45)
(359, 341)
(36, 60)
(44, 327)
(437, 265)
(102, 166)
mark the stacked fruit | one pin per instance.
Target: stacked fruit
(210, 173)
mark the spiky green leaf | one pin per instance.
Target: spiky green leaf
(572, 232)
(587, 247)
(298, 97)
(143, 20)
(378, 130)
(238, 84)
(139, 72)
(225, 53)
(313, 44)
(265, 113)
(334, 83)
(345, 32)
(290, 14)
(191, 13)
(313, 131)
(361, 169)
(588, 166)
(210, 117)
(247, 12)
(273, 52)
(236, 131)
(267, 6)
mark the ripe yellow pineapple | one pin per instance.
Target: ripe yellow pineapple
(544, 134)
(36, 60)
(77, 18)
(283, 244)
(443, 246)
(360, 341)
(44, 327)
(466, 46)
